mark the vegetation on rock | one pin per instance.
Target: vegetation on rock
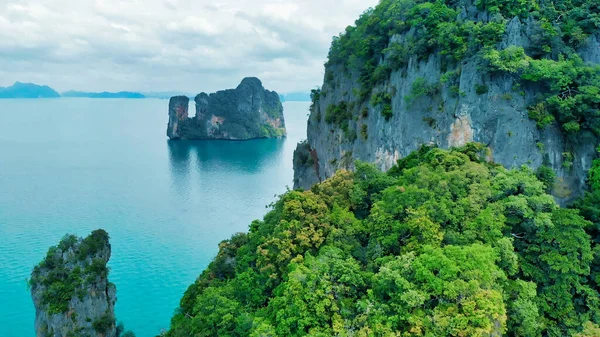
(71, 292)
(386, 37)
(246, 112)
(63, 278)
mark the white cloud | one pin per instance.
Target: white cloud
(152, 45)
(282, 11)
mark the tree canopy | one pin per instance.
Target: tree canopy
(444, 244)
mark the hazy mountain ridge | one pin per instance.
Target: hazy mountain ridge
(33, 90)
(104, 94)
(166, 94)
(28, 90)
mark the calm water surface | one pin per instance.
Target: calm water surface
(75, 165)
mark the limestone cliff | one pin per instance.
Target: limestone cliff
(454, 106)
(246, 112)
(178, 114)
(70, 289)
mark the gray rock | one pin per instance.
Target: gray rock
(497, 118)
(306, 166)
(71, 292)
(591, 51)
(178, 111)
(246, 112)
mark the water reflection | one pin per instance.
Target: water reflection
(179, 157)
(207, 156)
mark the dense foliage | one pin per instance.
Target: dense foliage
(444, 244)
(386, 37)
(589, 206)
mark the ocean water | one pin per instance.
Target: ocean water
(75, 165)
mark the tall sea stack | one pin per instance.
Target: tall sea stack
(246, 112)
(71, 291)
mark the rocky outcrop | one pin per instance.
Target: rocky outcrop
(306, 166)
(479, 106)
(70, 289)
(246, 112)
(178, 113)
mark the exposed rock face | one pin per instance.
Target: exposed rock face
(247, 112)
(178, 113)
(71, 292)
(497, 118)
(306, 166)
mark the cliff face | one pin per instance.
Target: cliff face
(306, 166)
(476, 106)
(70, 289)
(178, 114)
(247, 112)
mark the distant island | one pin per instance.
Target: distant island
(28, 90)
(120, 94)
(166, 94)
(246, 112)
(32, 90)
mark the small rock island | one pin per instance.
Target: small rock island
(70, 289)
(246, 112)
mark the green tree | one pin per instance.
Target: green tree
(448, 291)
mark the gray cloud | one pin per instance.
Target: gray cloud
(153, 45)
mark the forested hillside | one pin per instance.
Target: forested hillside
(444, 244)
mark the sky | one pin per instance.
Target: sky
(162, 45)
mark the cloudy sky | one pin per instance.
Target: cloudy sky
(158, 45)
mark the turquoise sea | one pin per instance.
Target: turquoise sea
(75, 165)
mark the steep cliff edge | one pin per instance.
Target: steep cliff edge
(246, 112)
(71, 291)
(513, 77)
